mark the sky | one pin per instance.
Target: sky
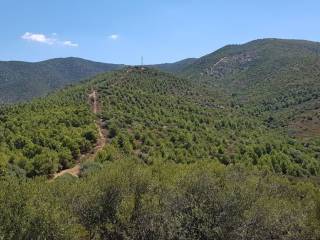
(121, 31)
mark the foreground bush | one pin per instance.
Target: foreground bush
(126, 200)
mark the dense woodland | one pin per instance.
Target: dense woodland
(181, 161)
(46, 135)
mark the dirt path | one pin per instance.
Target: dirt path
(101, 141)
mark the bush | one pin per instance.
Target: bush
(89, 167)
(45, 163)
(90, 136)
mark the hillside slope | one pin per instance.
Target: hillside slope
(22, 81)
(274, 78)
(176, 165)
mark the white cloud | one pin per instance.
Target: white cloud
(38, 37)
(114, 36)
(50, 40)
(70, 44)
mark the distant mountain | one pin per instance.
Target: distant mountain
(22, 80)
(243, 66)
(276, 78)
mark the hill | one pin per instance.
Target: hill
(276, 79)
(22, 81)
(152, 116)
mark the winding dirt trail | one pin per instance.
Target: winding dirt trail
(101, 141)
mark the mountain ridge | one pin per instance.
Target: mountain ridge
(24, 80)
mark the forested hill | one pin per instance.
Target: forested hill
(151, 115)
(233, 59)
(256, 68)
(276, 79)
(22, 80)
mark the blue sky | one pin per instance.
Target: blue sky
(160, 30)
